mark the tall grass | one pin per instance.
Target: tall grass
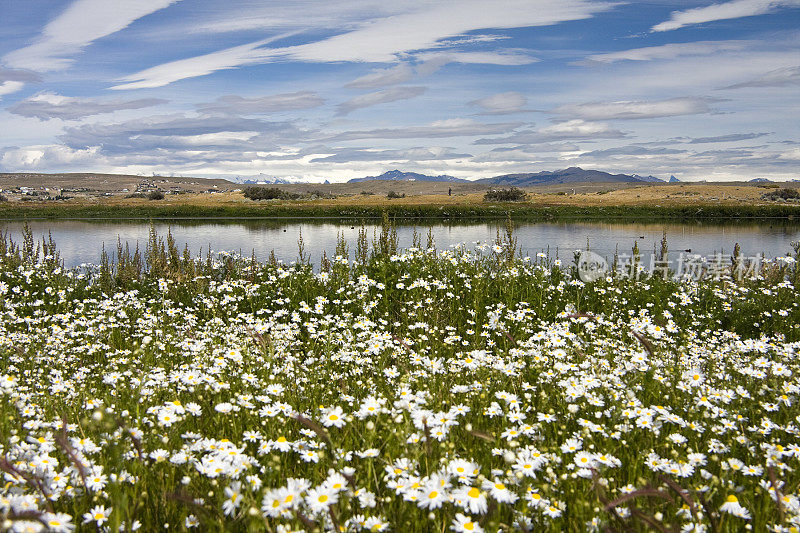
(160, 390)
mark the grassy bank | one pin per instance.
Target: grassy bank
(315, 210)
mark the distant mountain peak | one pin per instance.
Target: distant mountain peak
(263, 179)
(567, 175)
(399, 175)
(649, 179)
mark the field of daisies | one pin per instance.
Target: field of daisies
(465, 389)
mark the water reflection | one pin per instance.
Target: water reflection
(83, 241)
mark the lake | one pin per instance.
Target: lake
(81, 241)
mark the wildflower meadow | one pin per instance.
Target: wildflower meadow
(465, 389)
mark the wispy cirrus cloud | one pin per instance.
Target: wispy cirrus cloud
(429, 62)
(379, 97)
(12, 80)
(180, 131)
(9, 87)
(781, 77)
(637, 110)
(82, 23)
(382, 77)
(667, 51)
(723, 11)
(501, 103)
(238, 105)
(435, 60)
(20, 75)
(305, 15)
(441, 128)
(576, 129)
(385, 39)
(408, 154)
(203, 65)
(381, 40)
(524, 153)
(46, 106)
(733, 137)
(633, 151)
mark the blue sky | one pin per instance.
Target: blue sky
(332, 90)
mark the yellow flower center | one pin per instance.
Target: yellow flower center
(732, 499)
(474, 493)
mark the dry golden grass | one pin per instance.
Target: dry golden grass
(374, 193)
(656, 195)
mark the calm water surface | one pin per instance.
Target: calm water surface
(83, 241)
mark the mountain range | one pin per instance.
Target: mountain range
(555, 177)
(397, 175)
(263, 179)
(525, 179)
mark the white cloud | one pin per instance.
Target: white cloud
(633, 151)
(723, 11)
(12, 80)
(82, 23)
(306, 15)
(8, 87)
(502, 103)
(234, 104)
(379, 97)
(381, 40)
(385, 39)
(731, 137)
(791, 155)
(46, 156)
(457, 127)
(776, 78)
(507, 58)
(434, 153)
(164, 132)
(636, 110)
(576, 129)
(525, 154)
(47, 106)
(668, 51)
(18, 75)
(382, 77)
(641, 80)
(166, 73)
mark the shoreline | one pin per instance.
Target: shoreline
(291, 211)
